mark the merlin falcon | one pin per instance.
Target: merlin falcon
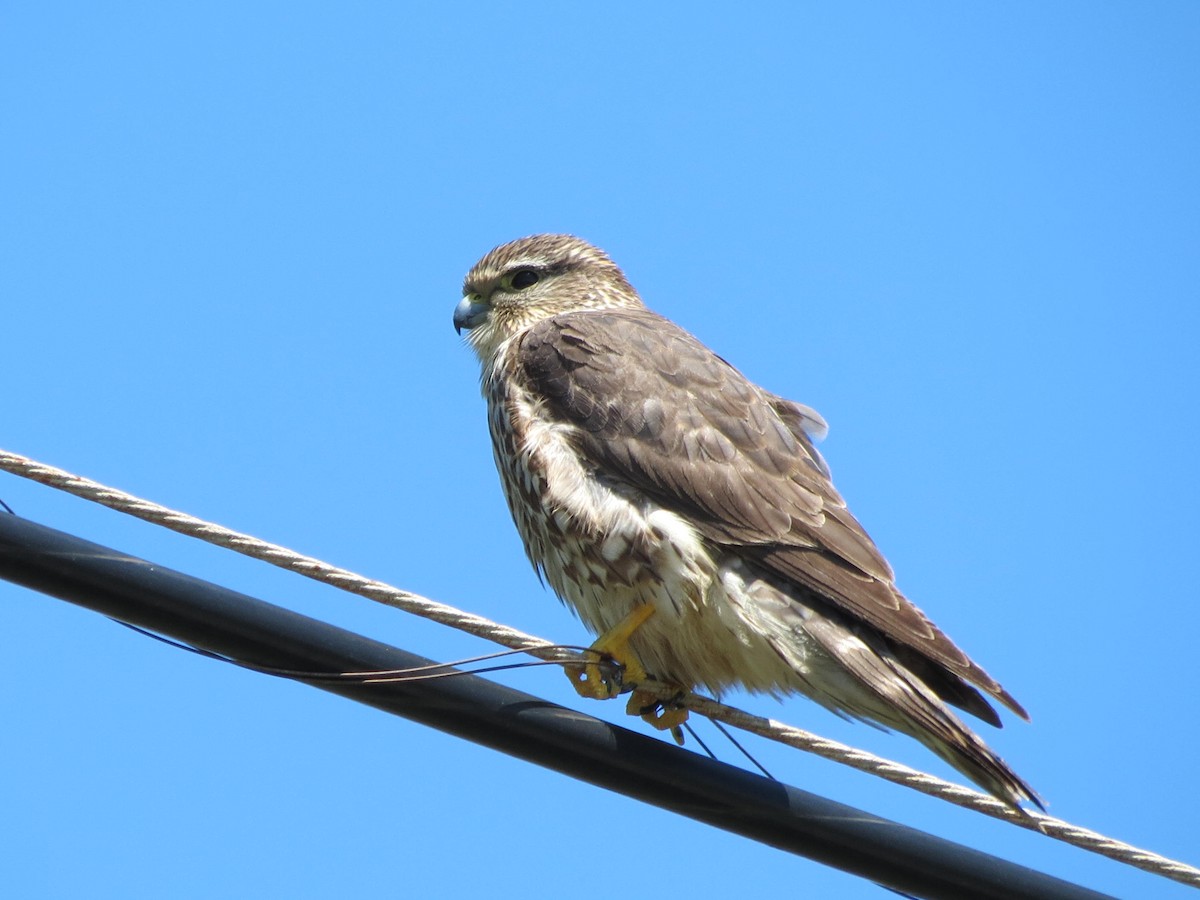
(686, 516)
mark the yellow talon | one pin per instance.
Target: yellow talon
(599, 682)
(660, 715)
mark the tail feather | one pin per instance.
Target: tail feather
(892, 694)
(975, 759)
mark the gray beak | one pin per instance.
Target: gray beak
(469, 313)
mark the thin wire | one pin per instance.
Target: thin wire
(432, 671)
(426, 673)
(746, 753)
(546, 650)
(695, 737)
(381, 676)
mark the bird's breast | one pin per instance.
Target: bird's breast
(601, 546)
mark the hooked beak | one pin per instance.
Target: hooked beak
(470, 313)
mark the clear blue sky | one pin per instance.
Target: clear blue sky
(231, 239)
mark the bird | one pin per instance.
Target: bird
(686, 516)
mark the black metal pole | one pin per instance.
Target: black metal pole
(241, 627)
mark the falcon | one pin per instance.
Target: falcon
(686, 516)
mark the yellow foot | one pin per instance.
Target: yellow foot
(601, 680)
(665, 716)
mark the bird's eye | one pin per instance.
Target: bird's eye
(525, 278)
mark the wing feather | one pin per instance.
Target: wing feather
(660, 411)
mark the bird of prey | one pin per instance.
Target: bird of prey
(686, 516)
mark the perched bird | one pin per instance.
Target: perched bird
(686, 516)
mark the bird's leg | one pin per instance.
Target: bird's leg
(590, 680)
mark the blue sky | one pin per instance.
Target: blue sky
(231, 239)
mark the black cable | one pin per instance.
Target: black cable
(243, 628)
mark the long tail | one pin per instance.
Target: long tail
(898, 698)
(967, 752)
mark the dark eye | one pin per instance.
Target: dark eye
(525, 278)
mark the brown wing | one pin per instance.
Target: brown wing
(663, 413)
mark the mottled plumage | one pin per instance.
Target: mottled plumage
(640, 467)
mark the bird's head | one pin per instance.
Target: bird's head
(517, 285)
